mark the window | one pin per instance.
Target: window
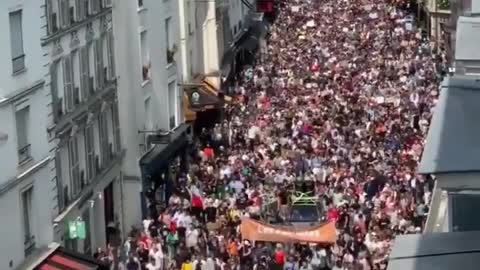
(94, 6)
(52, 23)
(140, 3)
(116, 127)
(27, 211)
(81, 8)
(464, 208)
(90, 152)
(172, 104)
(75, 66)
(111, 56)
(75, 181)
(145, 56)
(84, 73)
(65, 13)
(190, 29)
(92, 67)
(22, 122)
(16, 41)
(171, 49)
(99, 73)
(103, 134)
(68, 82)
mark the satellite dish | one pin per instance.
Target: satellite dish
(3, 138)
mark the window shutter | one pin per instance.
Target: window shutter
(67, 80)
(99, 63)
(65, 10)
(111, 56)
(78, 9)
(84, 72)
(49, 10)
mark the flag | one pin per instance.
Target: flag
(196, 197)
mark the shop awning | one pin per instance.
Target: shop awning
(161, 153)
(200, 98)
(61, 259)
(189, 115)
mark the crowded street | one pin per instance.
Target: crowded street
(337, 107)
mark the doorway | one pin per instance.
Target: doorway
(108, 201)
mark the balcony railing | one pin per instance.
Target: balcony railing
(24, 153)
(18, 63)
(29, 244)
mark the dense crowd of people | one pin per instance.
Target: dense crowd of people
(342, 97)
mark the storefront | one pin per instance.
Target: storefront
(243, 49)
(94, 219)
(162, 165)
(55, 257)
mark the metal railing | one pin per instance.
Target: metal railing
(24, 153)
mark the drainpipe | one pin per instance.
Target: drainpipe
(183, 40)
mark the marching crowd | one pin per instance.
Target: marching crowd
(342, 97)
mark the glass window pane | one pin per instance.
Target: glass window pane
(464, 212)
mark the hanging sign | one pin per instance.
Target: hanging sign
(76, 229)
(72, 229)
(195, 98)
(81, 232)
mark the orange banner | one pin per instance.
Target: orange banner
(257, 231)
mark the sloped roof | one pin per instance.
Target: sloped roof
(453, 141)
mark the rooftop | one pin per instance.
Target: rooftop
(431, 251)
(453, 138)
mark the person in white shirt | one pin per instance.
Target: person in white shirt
(192, 238)
(157, 254)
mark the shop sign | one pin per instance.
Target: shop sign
(76, 229)
(195, 98)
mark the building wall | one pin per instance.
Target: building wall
(80, 53)
(11, 211)
(33, 54)
(236, 13)
(145, 101)
(25, 172)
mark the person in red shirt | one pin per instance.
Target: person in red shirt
(279, 256)
(333, 214)
(208, 151)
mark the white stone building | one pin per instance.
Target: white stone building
(78, 47)
(26, 201)
(148, 68)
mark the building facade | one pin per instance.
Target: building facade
(26, 201)
(78, 49)
(149, 74)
